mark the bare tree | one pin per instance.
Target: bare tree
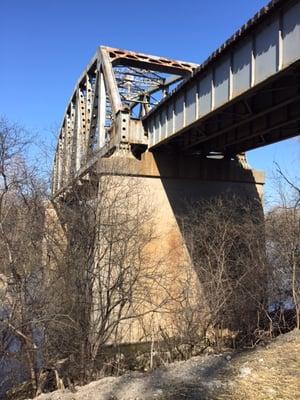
(107, 270)
(283, 234)
(225, 238)
(21, 231)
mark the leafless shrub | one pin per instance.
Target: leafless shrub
(283, 249)
(225, 238)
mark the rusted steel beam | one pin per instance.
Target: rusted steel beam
(146, 61)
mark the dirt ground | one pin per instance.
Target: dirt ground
(270, 371)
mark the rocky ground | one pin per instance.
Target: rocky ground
(271, 371)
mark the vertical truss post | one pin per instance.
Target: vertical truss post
(81, 130)
(60, 163)
(73, 138)
(78, 130)
(92, 141)
(88, 114)
(64, 153)
(101, 109)
(68, 134)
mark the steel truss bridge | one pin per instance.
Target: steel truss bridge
(245, 95)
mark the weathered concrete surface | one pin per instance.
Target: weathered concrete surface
(169, 185)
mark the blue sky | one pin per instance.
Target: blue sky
(45, 45)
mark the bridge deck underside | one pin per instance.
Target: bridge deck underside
(268, 113)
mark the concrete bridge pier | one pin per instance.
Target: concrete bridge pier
(169, 184)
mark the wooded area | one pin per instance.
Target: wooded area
(74, 274)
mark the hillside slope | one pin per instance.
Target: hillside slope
(266, 372)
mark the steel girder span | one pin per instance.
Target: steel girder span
(246, 95)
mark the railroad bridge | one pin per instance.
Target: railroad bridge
(184, 128)
(245, 95)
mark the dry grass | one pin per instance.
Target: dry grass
(271, 372)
